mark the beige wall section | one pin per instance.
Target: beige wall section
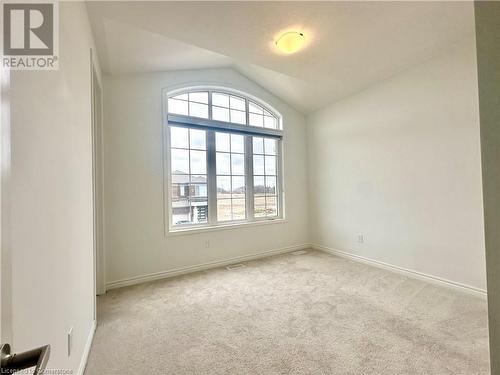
(136, 244)
(488, 58)
(400, 163)
(51, 191)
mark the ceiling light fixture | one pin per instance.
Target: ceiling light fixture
(290, 42)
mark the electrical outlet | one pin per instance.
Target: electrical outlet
(361, 238)
(207, 244)
(70, 340)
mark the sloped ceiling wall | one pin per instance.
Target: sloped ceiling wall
(351, 45)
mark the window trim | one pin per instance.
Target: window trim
(224, 226)
(202, 123)
(214, 125)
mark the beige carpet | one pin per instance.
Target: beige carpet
(290, 314)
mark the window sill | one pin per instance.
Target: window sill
(219, 227)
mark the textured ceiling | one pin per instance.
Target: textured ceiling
(351, 45)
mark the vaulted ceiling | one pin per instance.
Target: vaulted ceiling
(350, 45)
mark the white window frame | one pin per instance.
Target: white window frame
(211, 126)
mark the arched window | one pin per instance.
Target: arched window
(224, 159)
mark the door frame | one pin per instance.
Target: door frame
(6, 334)
(97, 178)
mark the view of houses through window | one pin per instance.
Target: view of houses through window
(189, 176)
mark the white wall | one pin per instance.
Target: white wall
(400, 163)
(134, 224)
(51, 190)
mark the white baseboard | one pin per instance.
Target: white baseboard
(86, 349)
(405, 271)
(201, 267)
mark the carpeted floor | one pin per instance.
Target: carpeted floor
(290, 314)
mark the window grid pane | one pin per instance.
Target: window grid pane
(220, 113)
(270, 122)
(230, 174)
(199, 97)
(179, 107)
(192, 104)
(228, 108)
(181, 97)
(237, 103)
(221, 100)
(189, 189)
(254, 108)
(198, 110)
(189, 176)
(224, 107)
(238, 117)
(256, 120)
(265, 177)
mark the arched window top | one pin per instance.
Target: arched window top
(223, 105)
